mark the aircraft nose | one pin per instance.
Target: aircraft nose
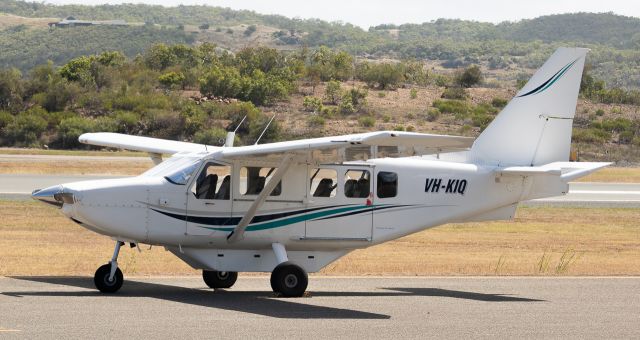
(54, 195)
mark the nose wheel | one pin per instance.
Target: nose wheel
(108, 278)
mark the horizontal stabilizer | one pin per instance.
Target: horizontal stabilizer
(567, 171)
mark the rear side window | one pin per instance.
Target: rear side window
(253, 180)
(357, 184)
(387, 184)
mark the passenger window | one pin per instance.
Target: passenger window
(213, 183)
(323, 182)
(387, 184)
(357, 183)
(253, 179)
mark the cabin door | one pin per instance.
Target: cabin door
(209, 201)
(340, 203)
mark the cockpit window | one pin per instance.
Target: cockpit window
(182, 174)
(177, 170)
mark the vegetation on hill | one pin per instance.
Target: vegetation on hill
(614, 39)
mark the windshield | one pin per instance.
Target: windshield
(175, 170)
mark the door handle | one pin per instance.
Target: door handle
(209, 203)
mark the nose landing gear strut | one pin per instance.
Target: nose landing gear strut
(108, 278)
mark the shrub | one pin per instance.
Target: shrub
(626, 137)
(70, 129)
(250, 30)
(5, 119)
(172, 79)
(454, 93)
(333, 92)
(499, 102)
(315, 121)
(433, 114)
(599, 112)
(329, 112)
(381, 94)
(312, 104)
(26, 129)
(346, 107)
(367, 121)
(413, 94)
(386, 118)
(398, 128)
(410, 128)
(472, 75)
(591, 135)
(214, 136)
(457, 107)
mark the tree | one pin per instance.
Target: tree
(11, 89)
(333, 92)
(472, 75)
(221, 81)
(204, 27)
(172, 80)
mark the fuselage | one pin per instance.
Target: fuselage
(359, 204)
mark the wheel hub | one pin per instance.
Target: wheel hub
(223, 275)
(291, 281)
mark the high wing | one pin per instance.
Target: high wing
(138, 143)
(420, 143)
(408, 143)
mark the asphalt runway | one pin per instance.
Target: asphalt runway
(19, 187)
(346, 308)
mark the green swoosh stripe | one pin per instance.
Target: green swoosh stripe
(296, 219)
(558, 76)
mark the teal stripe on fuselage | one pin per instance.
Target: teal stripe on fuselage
(296, 219)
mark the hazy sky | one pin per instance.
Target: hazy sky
(374, 12)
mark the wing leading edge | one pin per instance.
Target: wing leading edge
(138, 143)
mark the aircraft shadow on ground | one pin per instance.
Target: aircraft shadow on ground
(255, 302)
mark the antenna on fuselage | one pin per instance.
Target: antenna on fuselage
(265, 128)
(231, 135)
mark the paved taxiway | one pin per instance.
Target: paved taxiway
(17, 186)
(376, 307)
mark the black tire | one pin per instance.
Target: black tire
(216, 279)
(101, 279)
(289, 280)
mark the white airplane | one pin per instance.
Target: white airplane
(292, 208)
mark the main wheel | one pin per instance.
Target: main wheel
(102, 282)
(289, 280)
(216, 279)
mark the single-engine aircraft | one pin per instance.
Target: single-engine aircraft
(292, 208)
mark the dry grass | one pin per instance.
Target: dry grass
(38, 240)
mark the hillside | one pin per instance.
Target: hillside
(509, 46)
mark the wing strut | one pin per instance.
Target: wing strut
(238, 232)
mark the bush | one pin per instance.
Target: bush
(312, 104)
(172, 80)
(367, 121)
(356, 97)
(383, 76)
(215, 136)
(626, 137)
(472, 75)
(346, 107)
(250, 30)
(333, 92)
(457, 107)
(433, 114)
(5, 119)
(591, 135)
(599, 112)
(70, 129)
(454, 93)
(499, 102)
(315, 121)
(26, 129)
(413, 94)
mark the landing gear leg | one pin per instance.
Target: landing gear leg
(108, 278)
(287, 279)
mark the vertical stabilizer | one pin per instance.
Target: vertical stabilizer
(535, 127)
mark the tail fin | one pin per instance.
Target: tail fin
(535, 127)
